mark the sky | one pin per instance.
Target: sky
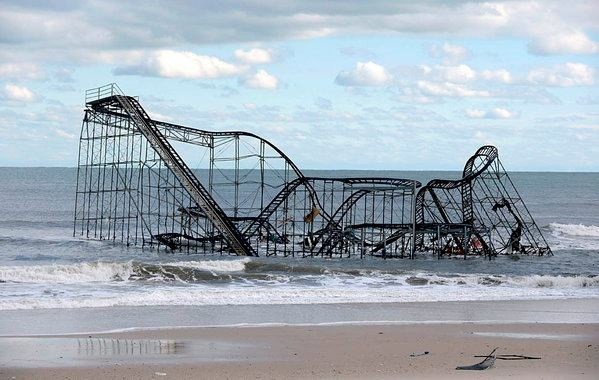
(373, 85)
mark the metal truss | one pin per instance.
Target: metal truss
(244, 196)
(480, 213)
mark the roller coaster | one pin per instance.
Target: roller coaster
(246, 197)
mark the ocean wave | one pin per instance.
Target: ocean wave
(181, 271)
(238, 282)
(235, 271)
(99, 271)
(67, 273)
(243, 295)
(574, 230)
(217, 266)
(555, 281)
(528, 281)
(574, 236)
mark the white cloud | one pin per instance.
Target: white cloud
(564, 42)
(475, 113)
(566, 75)
(18, 93)
(495, 113)
(450, 53)
(75, 31)
(261, 79)
(180, 64)
(464, 73)
(64, 134)
(254, 56)
(364, 74)
(457, 74)
(447, 89)
(159, 116)
(21, 71)
(501, 75)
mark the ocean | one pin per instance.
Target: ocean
(42, 266)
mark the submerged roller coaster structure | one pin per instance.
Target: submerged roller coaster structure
(248, 198)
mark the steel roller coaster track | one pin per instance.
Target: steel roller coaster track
(246, 197)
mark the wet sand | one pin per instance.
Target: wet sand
(347, 351)
(102, 319)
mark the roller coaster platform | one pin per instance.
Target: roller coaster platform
(245, 197)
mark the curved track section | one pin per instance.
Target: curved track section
(475, 166)
(480, 213)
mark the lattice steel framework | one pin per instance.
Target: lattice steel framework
(249, 198)
(480, 213)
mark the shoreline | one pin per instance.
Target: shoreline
(123, 318)
(349, 341)
(358, 351)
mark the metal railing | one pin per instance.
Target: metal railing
(105, 91)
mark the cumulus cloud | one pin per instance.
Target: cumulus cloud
(463, 73)
(566, 75)
(262, 80)
(64, 134)
(254, 56)
(495, 113)
(449, 52)
(457, 74)
(159, 116)
(179, 64)
(78, 29)
(21, 71)
(563, 42)
(19, 94)
(501, 75)
(447, 89)
(364, 74)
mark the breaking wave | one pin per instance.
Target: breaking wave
(575, 236)
(574, 230)
(89, 272)
(294, 294)
(249, 281)
(251, 272)
(67, 273)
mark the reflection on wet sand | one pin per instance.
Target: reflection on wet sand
(128, 347)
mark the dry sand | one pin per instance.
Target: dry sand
(281, 352)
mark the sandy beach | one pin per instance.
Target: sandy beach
(276, 352)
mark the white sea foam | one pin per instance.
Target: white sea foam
(215, 266)
(67, 273)
(51, 287)
(105, 271)
(244, 295)
(575, 230)
(94, 284)
(574, 236)
(562, 282)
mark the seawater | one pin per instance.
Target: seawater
(42, 266)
